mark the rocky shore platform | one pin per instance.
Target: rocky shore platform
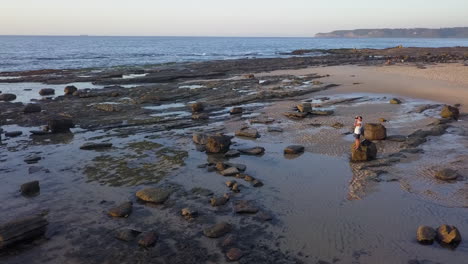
(244, 161)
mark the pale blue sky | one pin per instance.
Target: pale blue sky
(222, 17)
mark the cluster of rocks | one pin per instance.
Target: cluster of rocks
(444, 234)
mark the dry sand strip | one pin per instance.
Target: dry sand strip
(446, 83)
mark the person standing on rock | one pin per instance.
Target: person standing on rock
(358, 129)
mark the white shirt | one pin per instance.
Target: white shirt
(357, 129)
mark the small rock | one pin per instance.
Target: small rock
(218, 201)
(236, 110)
(197, 107)
(425, 235)
(127, 234)
(188, 213)
(200, 139)
(46, 91)
(235, 188)
(69, 90)
(245, 207)
(13, 133)
(7, 97)
(395, 101)
(304, 107)
(234, 254)
(249, 76)
(32, 159)
(153, 195)
(217, 230)
(248, 132)
(232, 171)
(122, 210)
(382, 120)
(262, 120)
(448, 234)
(275, 129)
(232, 153)
(93, 146)
(32, 108)
(294, 149)
(450, 112)
(148, 239)
(230, 183)
(253, 151)
(240, 167)
(257, 183)
(446, 175)
(30, 188)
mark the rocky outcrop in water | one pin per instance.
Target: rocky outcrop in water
(374, 131)
(367, 151)
(153, 195)
(450, 112)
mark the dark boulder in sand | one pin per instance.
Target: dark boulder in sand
(94, 146)
(425, 235)
(47, 91)
(217, 230)
(446, 175)
(153, 195)
(30, 188)
(236, 110)
(197, 107)
(69, 90)
(148, 239)
(127, 234)
(232, 153)
(304, 107)
(13, 134)
(232, 171)
(32, 108)
(248, 132)
(7, 97)
(366, 151)
(294, 149)
(450, 112)
(448, 234)
(234, 254)
(374, 131)
(122, 210)
(60, 125)
(218, 144)
(253, 151)
(395, 101)
(245, 207)
(219, 201)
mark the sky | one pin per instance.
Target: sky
(262, 18)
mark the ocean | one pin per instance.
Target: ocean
(18, 53)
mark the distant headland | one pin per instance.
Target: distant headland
(455, 32)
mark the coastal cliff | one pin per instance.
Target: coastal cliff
(456, 32)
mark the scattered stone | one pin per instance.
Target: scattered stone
(39, 132)
(234, 254)
(262, 120)
(425, 235)
(188, 213)
(200, 116)
(30, 188)
(253, 151)
(374, 131)
(60, 125)
(232, 153)
(295, 115)
(93, 146)
(218, 201)
(229, 184)
(235, 188)
(395, 101)
(122, 210)
(240, 167)
(153, 195)
(248, 132)
(446, 175)
(245, 207)
(69, 90)
(275, 129)
(217, 230)
(148, 239)
(200, 139)
(294, 149)
(13, 134)
(32, 159)
(450, 112)
(127, 234)
(304, 107)
(232, 171)
(366, 151)
(447, 234)
(7, 97)
(257, 183)
(236, 110)
(46, 91)
(247, 178)
(32, 108)
(106, 107)
(197, 107)
(249, 76)
(218, 144)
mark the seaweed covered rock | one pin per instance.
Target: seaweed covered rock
(153, 195)
(366, 151)
(304, 107)
(69, 90)
(374, 131)
(450, 112)
(448, 234)
(217, 144)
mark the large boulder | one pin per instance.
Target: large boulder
(448, 234)
(218, 144)
(425, 235)
(7, 97)
(366, 151)
(60, 125)
(30, 188)
(153, 195)
(32, 108)
(69, 90)
(450, 112)
(46, 91)
(374, 131)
